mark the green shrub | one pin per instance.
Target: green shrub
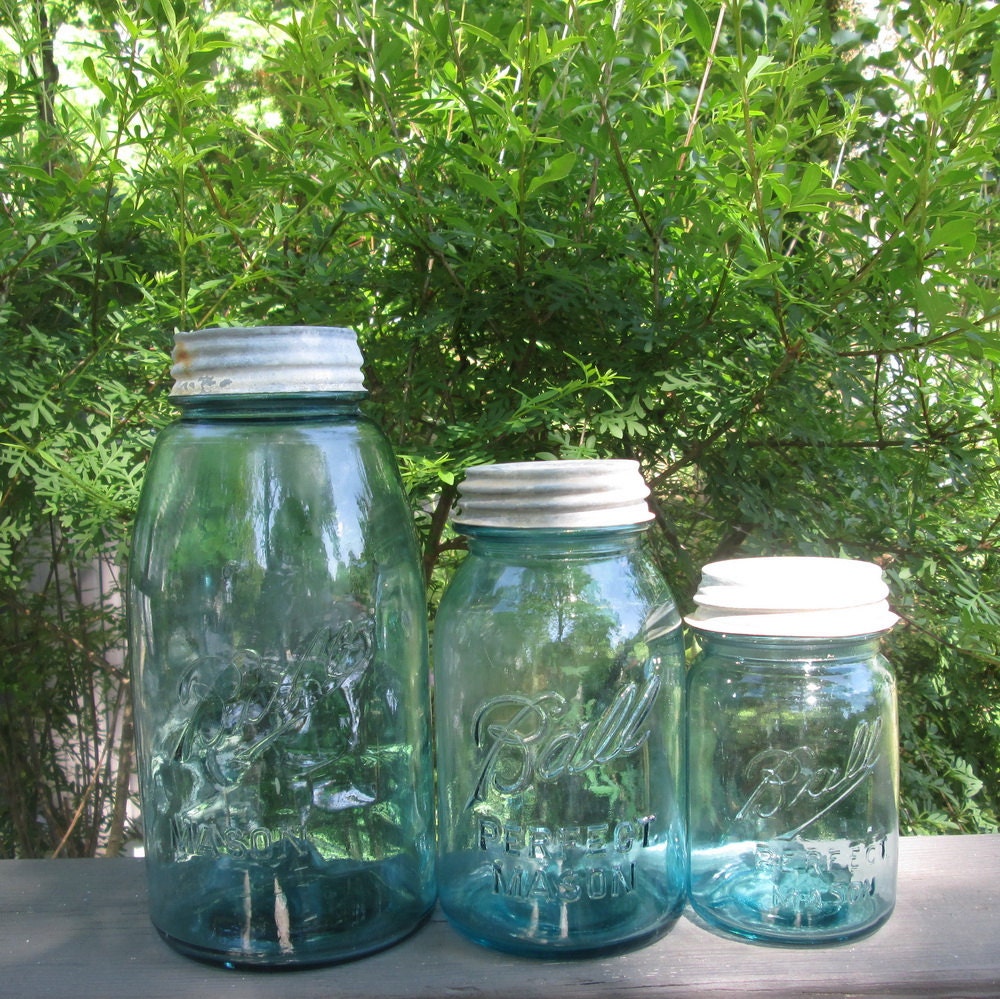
(736, 242)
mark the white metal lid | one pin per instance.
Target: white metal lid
(265, 360)
(793, 596)
(558, 495)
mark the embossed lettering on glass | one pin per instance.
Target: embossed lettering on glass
(558, 677)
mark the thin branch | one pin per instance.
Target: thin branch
(439, 518)
(699, 100)
(701, 446)
(89, 790)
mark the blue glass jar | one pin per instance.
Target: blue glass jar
(279, 661)
(792, 751)
(558, 696)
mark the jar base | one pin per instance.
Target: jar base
(528, 917)
(764, 933)
(264, 961)
(559, 950)
(285, 913)
(797, 907)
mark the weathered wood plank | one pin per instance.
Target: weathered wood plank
(76, 929)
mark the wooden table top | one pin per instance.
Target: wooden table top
(77, 929)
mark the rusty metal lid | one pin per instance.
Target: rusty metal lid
(554, 495)
(266, 360)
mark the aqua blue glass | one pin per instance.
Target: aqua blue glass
(279, 665)
(559, 688)
(792, 786)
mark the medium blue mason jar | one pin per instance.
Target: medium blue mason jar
(792, 751)
(558, 696)
(279, 662)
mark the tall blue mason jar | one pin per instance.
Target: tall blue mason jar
(792, 751)
(558, 695)
(279, 666)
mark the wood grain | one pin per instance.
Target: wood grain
(76, 929)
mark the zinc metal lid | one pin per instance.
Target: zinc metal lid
(555, 495)
(793, 596)
(266, 360)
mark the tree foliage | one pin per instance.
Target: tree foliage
(751, 245)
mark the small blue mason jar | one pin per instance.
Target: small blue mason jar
(278, 646)
(792, 751)
(558, 696)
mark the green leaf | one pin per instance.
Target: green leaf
(556, 170)
(956, 234)
(12, 125)
(489, 189)
(698, 23)
(762, 64)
